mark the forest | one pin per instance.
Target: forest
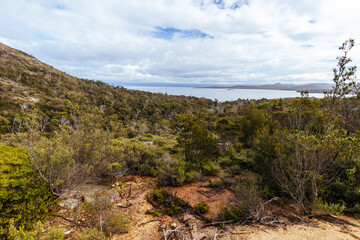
(58, 131)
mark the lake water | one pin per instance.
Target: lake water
(223, 94)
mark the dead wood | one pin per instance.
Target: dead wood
(154, 220)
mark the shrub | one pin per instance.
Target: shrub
(232, 212)
(167, 203)
(36, 234)
(103, 217)
(331, 208)
(248, 191)
(92, 234)
(202, 207)
(24, 196)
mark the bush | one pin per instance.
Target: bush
(331, 208)
(232, 212)
(92, 234)
(202, 207)
(36, 234)
(24, 196)
(167, 203)
(102, 215)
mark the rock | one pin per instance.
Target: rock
(70, 203)
(68, 232)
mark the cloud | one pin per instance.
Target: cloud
(189, 41)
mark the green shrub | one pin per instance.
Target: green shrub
(167, 203)
(24, 196)
(331, 208)
(202, 207)
(92, 234)
(232, 213)
(36, 234)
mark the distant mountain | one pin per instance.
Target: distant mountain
(310, 87)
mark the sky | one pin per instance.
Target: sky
(216, 42)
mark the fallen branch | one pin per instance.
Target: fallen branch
(154, 220)
(203, 193)
(217, 223)
(67, 219)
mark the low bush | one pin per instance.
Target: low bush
(37, 234)
(201, 208)
(103, 217)
(331, 208)
(232, 212)
(167, 203)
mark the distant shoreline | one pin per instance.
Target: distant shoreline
(311, 88)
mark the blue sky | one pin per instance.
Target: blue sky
(185, 41)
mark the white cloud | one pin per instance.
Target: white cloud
(257, 41)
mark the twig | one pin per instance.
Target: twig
(154, 220)
(216, 223)
(129, 194)
(203, 193)
(66, 219)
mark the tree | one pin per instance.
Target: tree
(196, 140)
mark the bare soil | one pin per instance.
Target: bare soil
(129, 197)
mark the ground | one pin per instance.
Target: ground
(129, 197)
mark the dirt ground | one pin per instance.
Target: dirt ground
(129, 197)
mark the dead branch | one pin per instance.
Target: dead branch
(154, 220)
(129, 193)
(177, 231)
(203, 193)
(219, 234)
(67, 219)
(217, 223)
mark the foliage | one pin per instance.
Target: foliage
(331, 208)
(24, 196)
(232, 212)
(202, 207)
(36, 234)
(92, 234)
(167, 203)
(248, 191)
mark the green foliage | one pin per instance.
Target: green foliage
(252, 121)
(36, 234)
(202, 207)
(24, 196)
(231, 212)
(331, 208)
(92, 234)
(196, 141)
(247, 189)
(167, 203)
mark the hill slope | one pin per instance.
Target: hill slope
(26, 82)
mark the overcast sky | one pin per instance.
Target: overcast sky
(185, 41)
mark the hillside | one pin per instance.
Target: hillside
(97, 161)
(27, 82)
